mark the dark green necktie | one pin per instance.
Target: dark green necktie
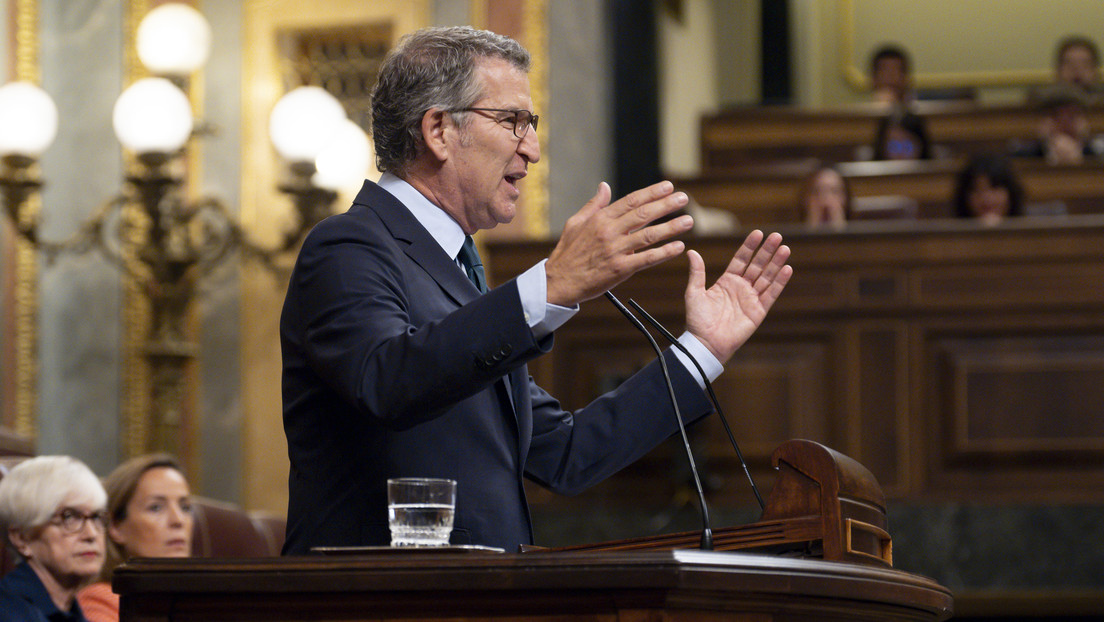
(469, 258)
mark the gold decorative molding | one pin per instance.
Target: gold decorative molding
(858, 79)
(25, 294)
(136, 399)
(526, 21)
(478, 13)
(534, 24)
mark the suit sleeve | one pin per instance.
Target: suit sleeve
(572, 451)
(373, 326)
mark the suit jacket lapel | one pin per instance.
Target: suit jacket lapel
(420, 245)
(427, 253)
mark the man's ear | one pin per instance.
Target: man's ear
(434, 123)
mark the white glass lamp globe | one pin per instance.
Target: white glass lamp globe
(173, 39)
(303, 122)
(343, 162)
(28, 120)
(153, 116)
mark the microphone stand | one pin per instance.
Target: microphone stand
(712, 396)
(707, 532)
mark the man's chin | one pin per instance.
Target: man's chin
(505, 215)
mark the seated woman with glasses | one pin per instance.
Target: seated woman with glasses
(150, 515)
(54, 509)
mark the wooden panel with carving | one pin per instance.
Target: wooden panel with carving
(1017, 408)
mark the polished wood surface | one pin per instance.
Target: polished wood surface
(737, 137)
(637, 586)
(823, 505)
(956, 362)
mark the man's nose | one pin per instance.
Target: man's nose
(529, 147)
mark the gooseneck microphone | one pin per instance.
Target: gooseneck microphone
(712, 396)
(707, 532)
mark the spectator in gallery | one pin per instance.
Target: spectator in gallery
(902, 135)
(825, 198)
(54, 509)
(988, 189)
(890, 78)
(1064, 135)
(149, 515)
(1077, 62)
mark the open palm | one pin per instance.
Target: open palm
(726, 314)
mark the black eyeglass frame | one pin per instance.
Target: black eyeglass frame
(533, 118)
(72, 520)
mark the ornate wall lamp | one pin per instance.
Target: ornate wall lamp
(156, 235)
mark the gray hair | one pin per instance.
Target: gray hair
(32, 491)
(430, 68)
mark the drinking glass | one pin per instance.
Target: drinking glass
(420, 510)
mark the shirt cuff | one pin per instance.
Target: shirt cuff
(542, 317)
(709, 363)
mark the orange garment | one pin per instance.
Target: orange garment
(99, 603)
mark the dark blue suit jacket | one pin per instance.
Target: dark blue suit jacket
(396, 366)
(23, 598)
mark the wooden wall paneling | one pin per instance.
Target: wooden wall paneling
(878, 405)
(904, 345)
(1015, 408)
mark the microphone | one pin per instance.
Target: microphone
(707, 532)
(712, 396)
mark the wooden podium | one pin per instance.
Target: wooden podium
(638, 586)
(824, 505)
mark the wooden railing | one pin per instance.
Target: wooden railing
(768, 194)
(755, 135)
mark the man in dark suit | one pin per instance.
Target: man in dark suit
(397, 364)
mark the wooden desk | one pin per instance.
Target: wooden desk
(734, 138)
(769, 194)
(659, 586)
(955, 362)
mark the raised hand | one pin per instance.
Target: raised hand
(603, 244)
(724, 316)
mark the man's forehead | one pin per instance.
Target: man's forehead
(500, 78)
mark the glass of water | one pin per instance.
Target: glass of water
(420, 510)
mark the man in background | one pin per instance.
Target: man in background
(890, 79)
(1077, 62)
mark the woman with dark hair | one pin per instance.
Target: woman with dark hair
(149, 507)
(902, 135)
(988, 189)
(825, 198)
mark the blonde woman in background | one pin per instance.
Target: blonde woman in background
(150, 515)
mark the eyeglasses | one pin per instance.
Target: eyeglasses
(523, 119)
(72, 521)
